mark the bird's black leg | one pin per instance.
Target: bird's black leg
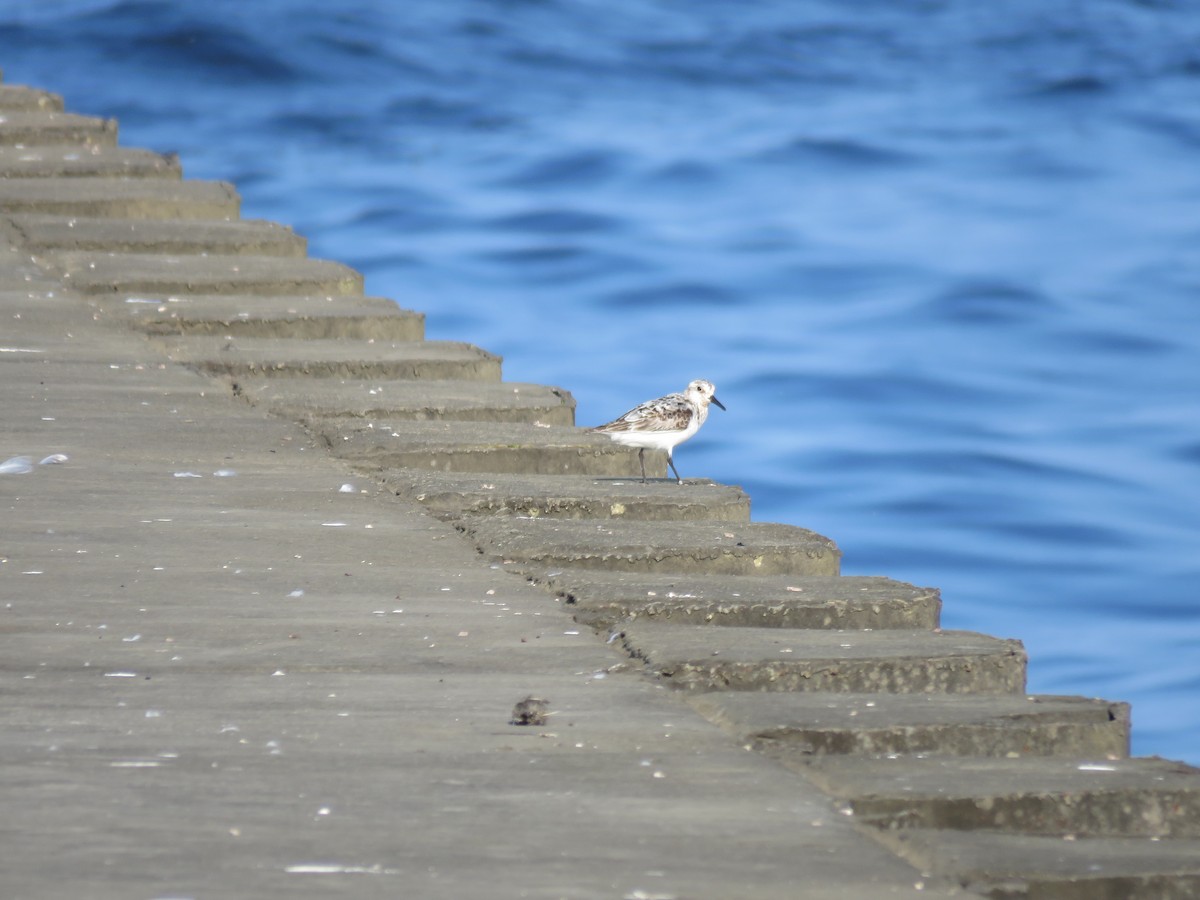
(671, 463)
(642, 460)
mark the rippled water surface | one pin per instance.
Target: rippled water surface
(941, 259)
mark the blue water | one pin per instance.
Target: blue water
(941, 259)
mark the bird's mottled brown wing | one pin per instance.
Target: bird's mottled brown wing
(669, 413)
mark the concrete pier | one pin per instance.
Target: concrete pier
(274, 571)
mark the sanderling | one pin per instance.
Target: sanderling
(663, 423)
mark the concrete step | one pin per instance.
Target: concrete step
(1012, 866)
(250, 357)
(20, 97)
(90, 162)
(452, 496)
(125, 198)
(703, 658)
(308, 317)
(34, 127)
(710, 548)
(1086, 797)
(148, 274)
(466, 401)
(243, 237)
(799, 727)
(603, 599)
(500, 448)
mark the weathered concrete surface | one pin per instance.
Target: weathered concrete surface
(247, 357)
(1146, 797)
(42, 233)
(703, 658)
(20, 97)
(90, 162)
(569, 497)
(1053, 868)
(716, 548)
(496, 447)
(121, 198)
(254, 684)
(27, 126)
(603, 599)
(798, 726)
(139, 274)
(466, 401)
(306, 317)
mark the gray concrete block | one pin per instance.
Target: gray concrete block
(722, 548)
(467, 401)
(452, 496)
(41, 233)
(142, 274)
(311, 317)
(603, 599)
(502, 448)
(20, 97)
(1090, 796)
(703, 658)
(132, 198)
(1015, 866)
(86, 162)
(257, 685)
(47, 126)
(801, 726)
(244, 357)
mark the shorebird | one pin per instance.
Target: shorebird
(664, 423)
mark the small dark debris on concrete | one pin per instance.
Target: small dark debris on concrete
(530, 711)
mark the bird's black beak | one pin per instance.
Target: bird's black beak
(718, 402)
